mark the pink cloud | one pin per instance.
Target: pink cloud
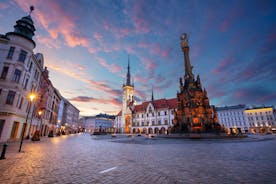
(118, 32)
(102, 86)
(57, 23)
(49, 42)
(140, 79)
(164, 85)
(149, 64)
(154, 49)
(141, 25)
(3, 6)
(140, 94)
(98, 37)
(111, 67)
(159, 79)
(86, 99)
(224, 26)
(239, 94)
(222, 65)
(272, 37)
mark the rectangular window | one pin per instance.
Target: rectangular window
(26, 83)
(30, 68)
(22, 56)
(10, 97)
(36, 75)
(21, 102)
(4, 72)
(28, 106)
(10, 54)
(16, 76)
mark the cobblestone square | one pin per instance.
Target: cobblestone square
(82, 158)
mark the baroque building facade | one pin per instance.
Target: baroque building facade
(20, 71)
(150, 117)
(194, 112)
(261, 119)
(233, 118)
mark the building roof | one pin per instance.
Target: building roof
(158, 104)
(240, 106)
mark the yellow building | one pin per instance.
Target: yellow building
(261, 119)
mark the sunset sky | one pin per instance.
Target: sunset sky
(86, 44)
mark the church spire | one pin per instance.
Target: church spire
(128, 82)
(188, 67)
(152, 97)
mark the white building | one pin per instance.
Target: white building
(233, 118)
(70, 117)
(99, 123)
(261, 119)
(154, 117)
(150, 117)
(20, 72)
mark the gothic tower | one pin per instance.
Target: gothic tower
(128, 92)
(194, 112)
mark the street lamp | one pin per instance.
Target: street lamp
(36, 136)
(40, 117)
(31, 98)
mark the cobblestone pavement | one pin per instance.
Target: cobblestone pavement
(82, 158)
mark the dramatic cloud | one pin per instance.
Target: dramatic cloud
(86, 99)
(3, 6)
(111, 67)
(104, 87)
(85, 46)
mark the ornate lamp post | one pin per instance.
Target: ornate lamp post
(31, 98)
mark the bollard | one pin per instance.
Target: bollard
(4, 151)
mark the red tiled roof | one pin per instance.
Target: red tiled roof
(172, 103)
(158, 104)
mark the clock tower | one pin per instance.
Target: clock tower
(128, 94)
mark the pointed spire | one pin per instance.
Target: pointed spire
(198, 81)
(152, 97)
(128, 74)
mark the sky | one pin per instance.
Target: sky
(86, 45)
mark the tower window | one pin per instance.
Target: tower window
(10, 97)
(4, 72)
(11, 51)
(22, 56)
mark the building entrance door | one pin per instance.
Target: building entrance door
(2, 122)
(14, 130)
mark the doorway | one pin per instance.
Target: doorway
(14, 130)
